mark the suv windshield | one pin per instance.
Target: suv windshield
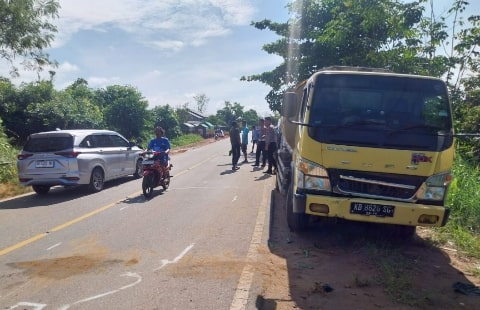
(381, 111)
(48, 144)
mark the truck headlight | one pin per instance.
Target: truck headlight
(311, 176)
(435, 187)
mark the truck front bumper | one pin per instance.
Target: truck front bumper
(375, 211)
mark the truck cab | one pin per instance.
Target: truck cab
(366, 145)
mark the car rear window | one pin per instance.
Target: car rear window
(48, 144)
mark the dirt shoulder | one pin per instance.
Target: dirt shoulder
(344, 265)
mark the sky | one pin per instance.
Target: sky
(171, 50)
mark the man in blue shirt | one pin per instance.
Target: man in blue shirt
(160, 144)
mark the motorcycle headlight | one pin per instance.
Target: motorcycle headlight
(435, 187)
(311, 176)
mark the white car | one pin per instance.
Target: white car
(76, 157)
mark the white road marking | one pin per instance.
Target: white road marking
(240, 299)
(28, 304)
(54, 246)
(179, 257)
(128, 274)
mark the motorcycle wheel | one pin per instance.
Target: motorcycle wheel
(147, 186)
(166, 180)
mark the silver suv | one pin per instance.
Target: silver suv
(74, 157)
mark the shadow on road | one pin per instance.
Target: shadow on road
(57, 194)
(350, 265)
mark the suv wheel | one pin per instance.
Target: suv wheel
(96, 180)
(138, 169)
(41, 189)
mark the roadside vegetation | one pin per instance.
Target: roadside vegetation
(463, 227)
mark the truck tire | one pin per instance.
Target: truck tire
(405, 232)
(277, 187)
(296, 221)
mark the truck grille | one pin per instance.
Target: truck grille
(380, 185)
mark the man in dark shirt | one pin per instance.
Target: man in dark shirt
(270, 145)
(236, 143)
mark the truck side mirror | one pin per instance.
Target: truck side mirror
(289, 105)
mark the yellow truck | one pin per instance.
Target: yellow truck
(368, 145)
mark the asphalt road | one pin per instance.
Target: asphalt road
(190, 247)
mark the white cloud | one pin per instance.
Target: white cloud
(162, 24)
(99, 82)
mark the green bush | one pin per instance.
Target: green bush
(8, 157)
(186, 140)
(464, 194)
(463, 227)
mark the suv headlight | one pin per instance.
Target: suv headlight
(435, 187)
(311, 176)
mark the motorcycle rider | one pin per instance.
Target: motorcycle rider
(160, 144)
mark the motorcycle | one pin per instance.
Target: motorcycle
(155, 173)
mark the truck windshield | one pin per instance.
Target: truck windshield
(381, 111)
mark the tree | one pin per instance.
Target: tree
(231, 112)
(125, 110)
(183, 113)
(20, 102)
(26, 31)
(374, 33)
(165, 117)
(251, 117)
(202, 102)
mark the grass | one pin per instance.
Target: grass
(463, 227)
(186, 140)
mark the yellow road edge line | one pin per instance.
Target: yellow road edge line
(57, 228)
(23, 243)
(85, 216)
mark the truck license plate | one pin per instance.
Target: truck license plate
(44, 164)
(371, 209)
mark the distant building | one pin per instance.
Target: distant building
(197, 124)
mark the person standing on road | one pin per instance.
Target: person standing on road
(270, 145)
(245, 131)
(235, 142)
(255, 134)
(260, 144)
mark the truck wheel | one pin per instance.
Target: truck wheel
(405, 231)
(296, 221)
(277, 179)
